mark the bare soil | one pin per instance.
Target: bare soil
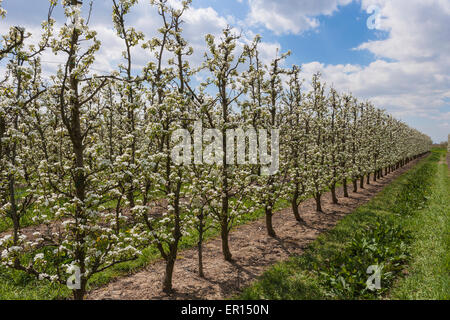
(253, 252)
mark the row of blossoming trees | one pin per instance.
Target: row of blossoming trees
(88, 157)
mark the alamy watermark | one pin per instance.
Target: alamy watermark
(213, 152)
(374, 21)
(74, 281)
(374, 281)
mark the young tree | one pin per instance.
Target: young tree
(129, 93)
(296, 130)
(223, 66)
(272, 118)
(355, 143)
(364, 145)
(318, 161)
(264, 110)
(337, 135)
(169, 112)
(346, 143)
(201, 185)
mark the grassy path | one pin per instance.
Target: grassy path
(429, 269)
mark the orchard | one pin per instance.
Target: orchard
(89, 156)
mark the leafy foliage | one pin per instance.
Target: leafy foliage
(381, 244)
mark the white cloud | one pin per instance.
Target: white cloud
(418, 30)
(291, 16)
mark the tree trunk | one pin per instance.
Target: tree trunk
(333, 193)
(318, 202)
(225, 247)
(167, 284)
(269, 225)
(200, 247)
(200, 257)
(368, 178)
(361, 182)
(13, 212)
(344, 182)
(78, 294)
(294, 205)
(355, 185)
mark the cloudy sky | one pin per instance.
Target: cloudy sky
(400, 61)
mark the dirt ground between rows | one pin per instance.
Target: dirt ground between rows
(253, 252)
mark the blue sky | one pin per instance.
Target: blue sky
(402, 66)
(331, 42)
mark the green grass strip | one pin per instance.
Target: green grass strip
(429, 270)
